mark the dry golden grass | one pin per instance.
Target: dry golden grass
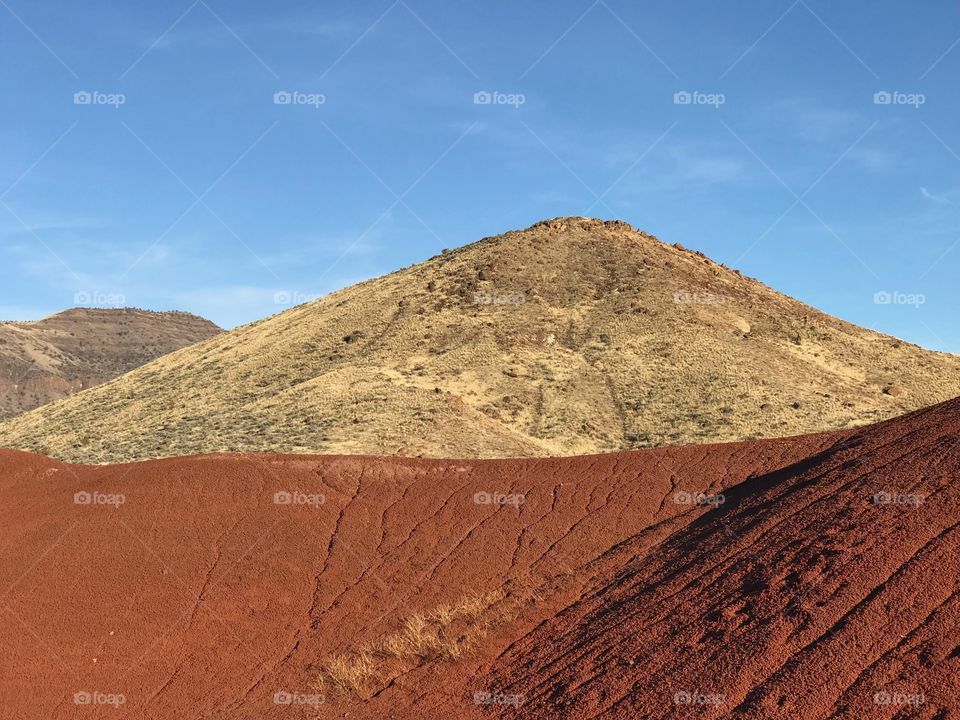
(446, 633)
(574, 336)
(350, 672)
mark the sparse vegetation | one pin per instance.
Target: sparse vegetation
(569, 370)
(446, 633)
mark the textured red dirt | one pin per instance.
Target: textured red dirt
(200, 596)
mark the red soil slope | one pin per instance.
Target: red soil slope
(199, 595)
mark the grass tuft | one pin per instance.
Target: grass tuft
(444, 634)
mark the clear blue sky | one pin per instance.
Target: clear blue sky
(200, 192)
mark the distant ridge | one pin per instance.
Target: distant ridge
(48, 359)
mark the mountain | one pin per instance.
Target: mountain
(73, 350)
(573, 336)
(812, 577)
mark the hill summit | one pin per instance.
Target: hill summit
(573, 336)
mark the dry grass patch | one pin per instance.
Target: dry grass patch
(350, 672)
(446, 633)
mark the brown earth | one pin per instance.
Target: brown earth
(572, 337)
(825, 585)
(73, 350)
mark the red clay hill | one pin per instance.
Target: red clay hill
(810, 577)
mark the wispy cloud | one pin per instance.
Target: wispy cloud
(940, 199)
(309, 25)
(208, 33)
(873, 159)
(707, 169)
(232, 305)
(309, 250)
(48, 223)
(814, 121)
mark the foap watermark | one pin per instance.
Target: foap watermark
(485, 697)
(498, 498)
(495, 97)
(689, 297)
(682, 497)
(695, 97)
(95, 97)
(295, 497)
(84, 497)
(885, 497)
(96, 298)
(485, 298)
(288, 697)
(895, 97)
(885, 697)
(696, 697)
(895, 297)
(94, 697)
(296, 97)
(292, 297)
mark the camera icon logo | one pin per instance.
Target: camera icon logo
(282, 97)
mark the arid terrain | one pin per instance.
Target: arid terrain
(809, 577)
(591, 360)
(571, 337)
(77, 349)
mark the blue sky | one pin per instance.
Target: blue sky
(186, 182)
